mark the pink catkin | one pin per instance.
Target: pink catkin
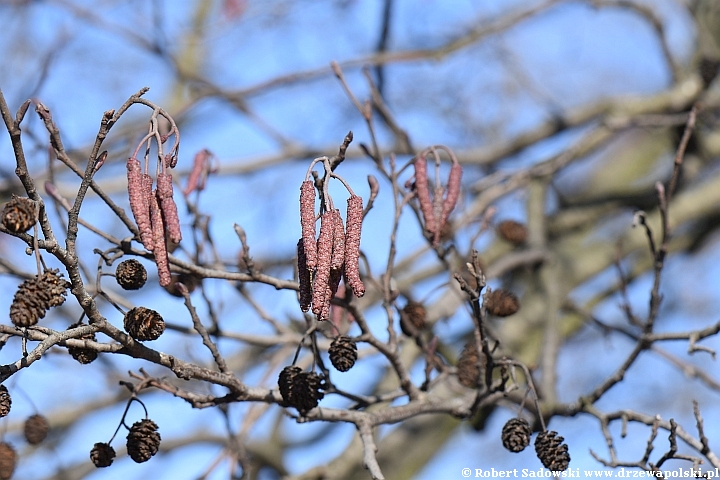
(324, 256)
(423, 194)
(307, 222)
(168, 207)
(138, 202)
(352, 245)
(304, 280)
(338, 252)
(453, 193)
(199, 165)
(160, 251)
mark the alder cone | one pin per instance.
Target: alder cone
(36, 429)
(5, 401)
(286, 381)
(83, 355)
(343, 353)
(8, 461)
(102, 455)
(143, 440)
(516, 434)
(468, 370)
(551, 451)
(412, 318)
(512, 231)
(18, 215)
(501, 303)
(299, 389)
(131, 274)
(144, 324)
(36, 296)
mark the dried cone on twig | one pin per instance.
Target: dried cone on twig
(102, 455)
(412, 318)
(36, 296)
(144, 324)
(8, 460)
(512, 231)
(299, 389)
(83, 355)
(130, 274)
(143, 440)
(343, 353)
(5, 401)
(468, 370)
(501, 303)
(516, 434)
(18, 215)
(36, 429)
(551, 451)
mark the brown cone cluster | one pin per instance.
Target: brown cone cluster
(516, 434)
(102, 455)
(8, 461)
(501, 303)
(467, 367)
(551, 451)
(513, 232)
(80, 354)
(144, 324)
(18, 215)
(143, 440)
(412, 318)
(130, 274)
(36, 429)
(36, 296)
(322, 263)
(302, 390)
(343, 353)
(5, 401)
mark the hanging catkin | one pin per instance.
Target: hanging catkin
(168, 206)
(304, 280)
(423, 194)
(352, 245)
(307, 222)
(453, 193)
(139, 203)
(338, 252)
(161, 254)
(324, 257)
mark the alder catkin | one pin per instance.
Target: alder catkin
(352, 245)
(160, 250)
(338, 252)
(139, 202)
(423, 193)
(453, 193)
(304, 280)
(324, 257)
(168, 207)
(307, 222)
(193, 180)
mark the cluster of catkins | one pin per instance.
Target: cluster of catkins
(155, 211)
(322, 262)
(436, 207)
